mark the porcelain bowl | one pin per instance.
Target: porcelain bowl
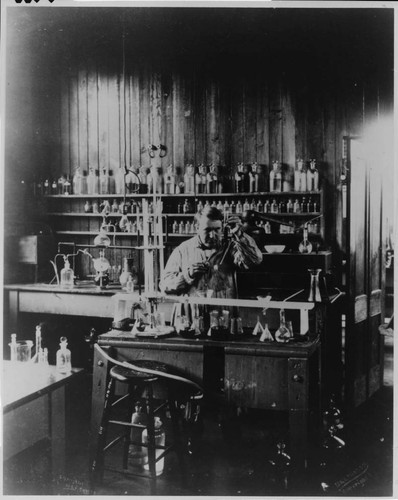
(274, 248)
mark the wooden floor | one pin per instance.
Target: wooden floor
(235, 461)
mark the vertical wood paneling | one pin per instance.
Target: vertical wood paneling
(250, 121)
(74, 123)
(237, 123)
(115, 145)
(275, 122)
(156, 115)
(92, 118)
(212, 123)
(83, 120)
(288, 129)
(200, 119)
(167, 119)
(65, 126)
(262, 107)
(189, 120)
(178, 121)
(123, 103)
(145, 137)
(103, 120)
(135, 119)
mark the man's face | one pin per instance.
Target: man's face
(209, 232)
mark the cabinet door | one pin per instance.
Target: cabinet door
(365, 277)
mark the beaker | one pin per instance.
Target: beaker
(21, 351)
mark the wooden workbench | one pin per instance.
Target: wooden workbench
(254, 374)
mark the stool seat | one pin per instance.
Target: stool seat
(127, 375)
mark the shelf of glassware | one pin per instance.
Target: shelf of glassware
(183, 195)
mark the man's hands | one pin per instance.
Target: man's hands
(195, 270)
(235, 223)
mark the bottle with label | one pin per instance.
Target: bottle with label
(275, 178)
(246, 178)
(186, 208)
(305, 246)
(289, 206)
(104, 182)
(169, 180)
(181, 227)
(189, 180)
(246, 205)
(312, 177)
(232, 207)
(67, 275)
(226, 207)
(174, 228)
(267, 206)
(64, 362)
(239, 207)
(160, 440)
(67, 186)
(259, 206)
(212, 176)
(87, 207)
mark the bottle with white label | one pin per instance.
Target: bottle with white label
(275, 178)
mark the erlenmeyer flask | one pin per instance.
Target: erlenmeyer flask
(305, 246)
(315, 293)
(266, 335)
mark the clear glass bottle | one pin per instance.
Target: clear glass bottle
(104, 182)
(239, 207)
(189, 179)
(275, 178)
(67, 186)
(305, 246)
(198, 181)
(160, 440)
(67, 275)
(282, 334)
(92, 185)
(77, 182)
(174, 228)
(274, 207)
(64, 361)
(312, 177)
(169, 180)
(246, 205)
(136, 452)
(300, 180)
(253, 178)
(143, 177)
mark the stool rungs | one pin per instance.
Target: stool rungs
(128, 473)
(127, 424)
(125, 396)
(112, 443)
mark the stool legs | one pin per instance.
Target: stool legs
(151, 440)
(178, 442)
(126, 446)
(97, 470)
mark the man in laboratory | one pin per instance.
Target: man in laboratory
(208, 261)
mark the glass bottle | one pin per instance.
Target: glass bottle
(211, 180)
(104, 182)
(305, 246)
(87, 207)
(67, 275)
(189, 180)
(246, 205)
(112, 183)
(203, 179)
(253, 176)
(169, 180)
(239, 207)
(282, 334)
(46, 187)
(137, 452)
(312, 177)
(246, 178)
(198, 181)
(289, 206)
(67, 186)
(160, 440)
(232, 207)
(143, 177)
(274, 207)
(92, 186)
(181, 227)
(296, 206)
(226, 207)
(64, 363)
(60, 184)
(125, 274)
(186, 208)
(253, 205)
(239, 178)
(275, 177)
(300, 180)
(259, 206)
(174, 228)
(267, 207)
(54, 187)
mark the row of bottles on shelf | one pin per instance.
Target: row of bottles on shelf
(201, 180)
(189, 227)
(300, 205)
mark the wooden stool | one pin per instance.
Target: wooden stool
(142, 378)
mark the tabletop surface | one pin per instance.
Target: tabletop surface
(22, 382)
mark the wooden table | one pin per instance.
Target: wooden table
(252, 374)
(33, 398)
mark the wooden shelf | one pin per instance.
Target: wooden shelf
(183, 195)
(169, 214)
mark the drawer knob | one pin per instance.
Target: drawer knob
(100, 363)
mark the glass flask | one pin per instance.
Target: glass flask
(160, 440)
(275, 177)
(266, 335)
(305, 246)
(315, 293)
(67, 275)
(282, 334)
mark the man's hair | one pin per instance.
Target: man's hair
(211, 213)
